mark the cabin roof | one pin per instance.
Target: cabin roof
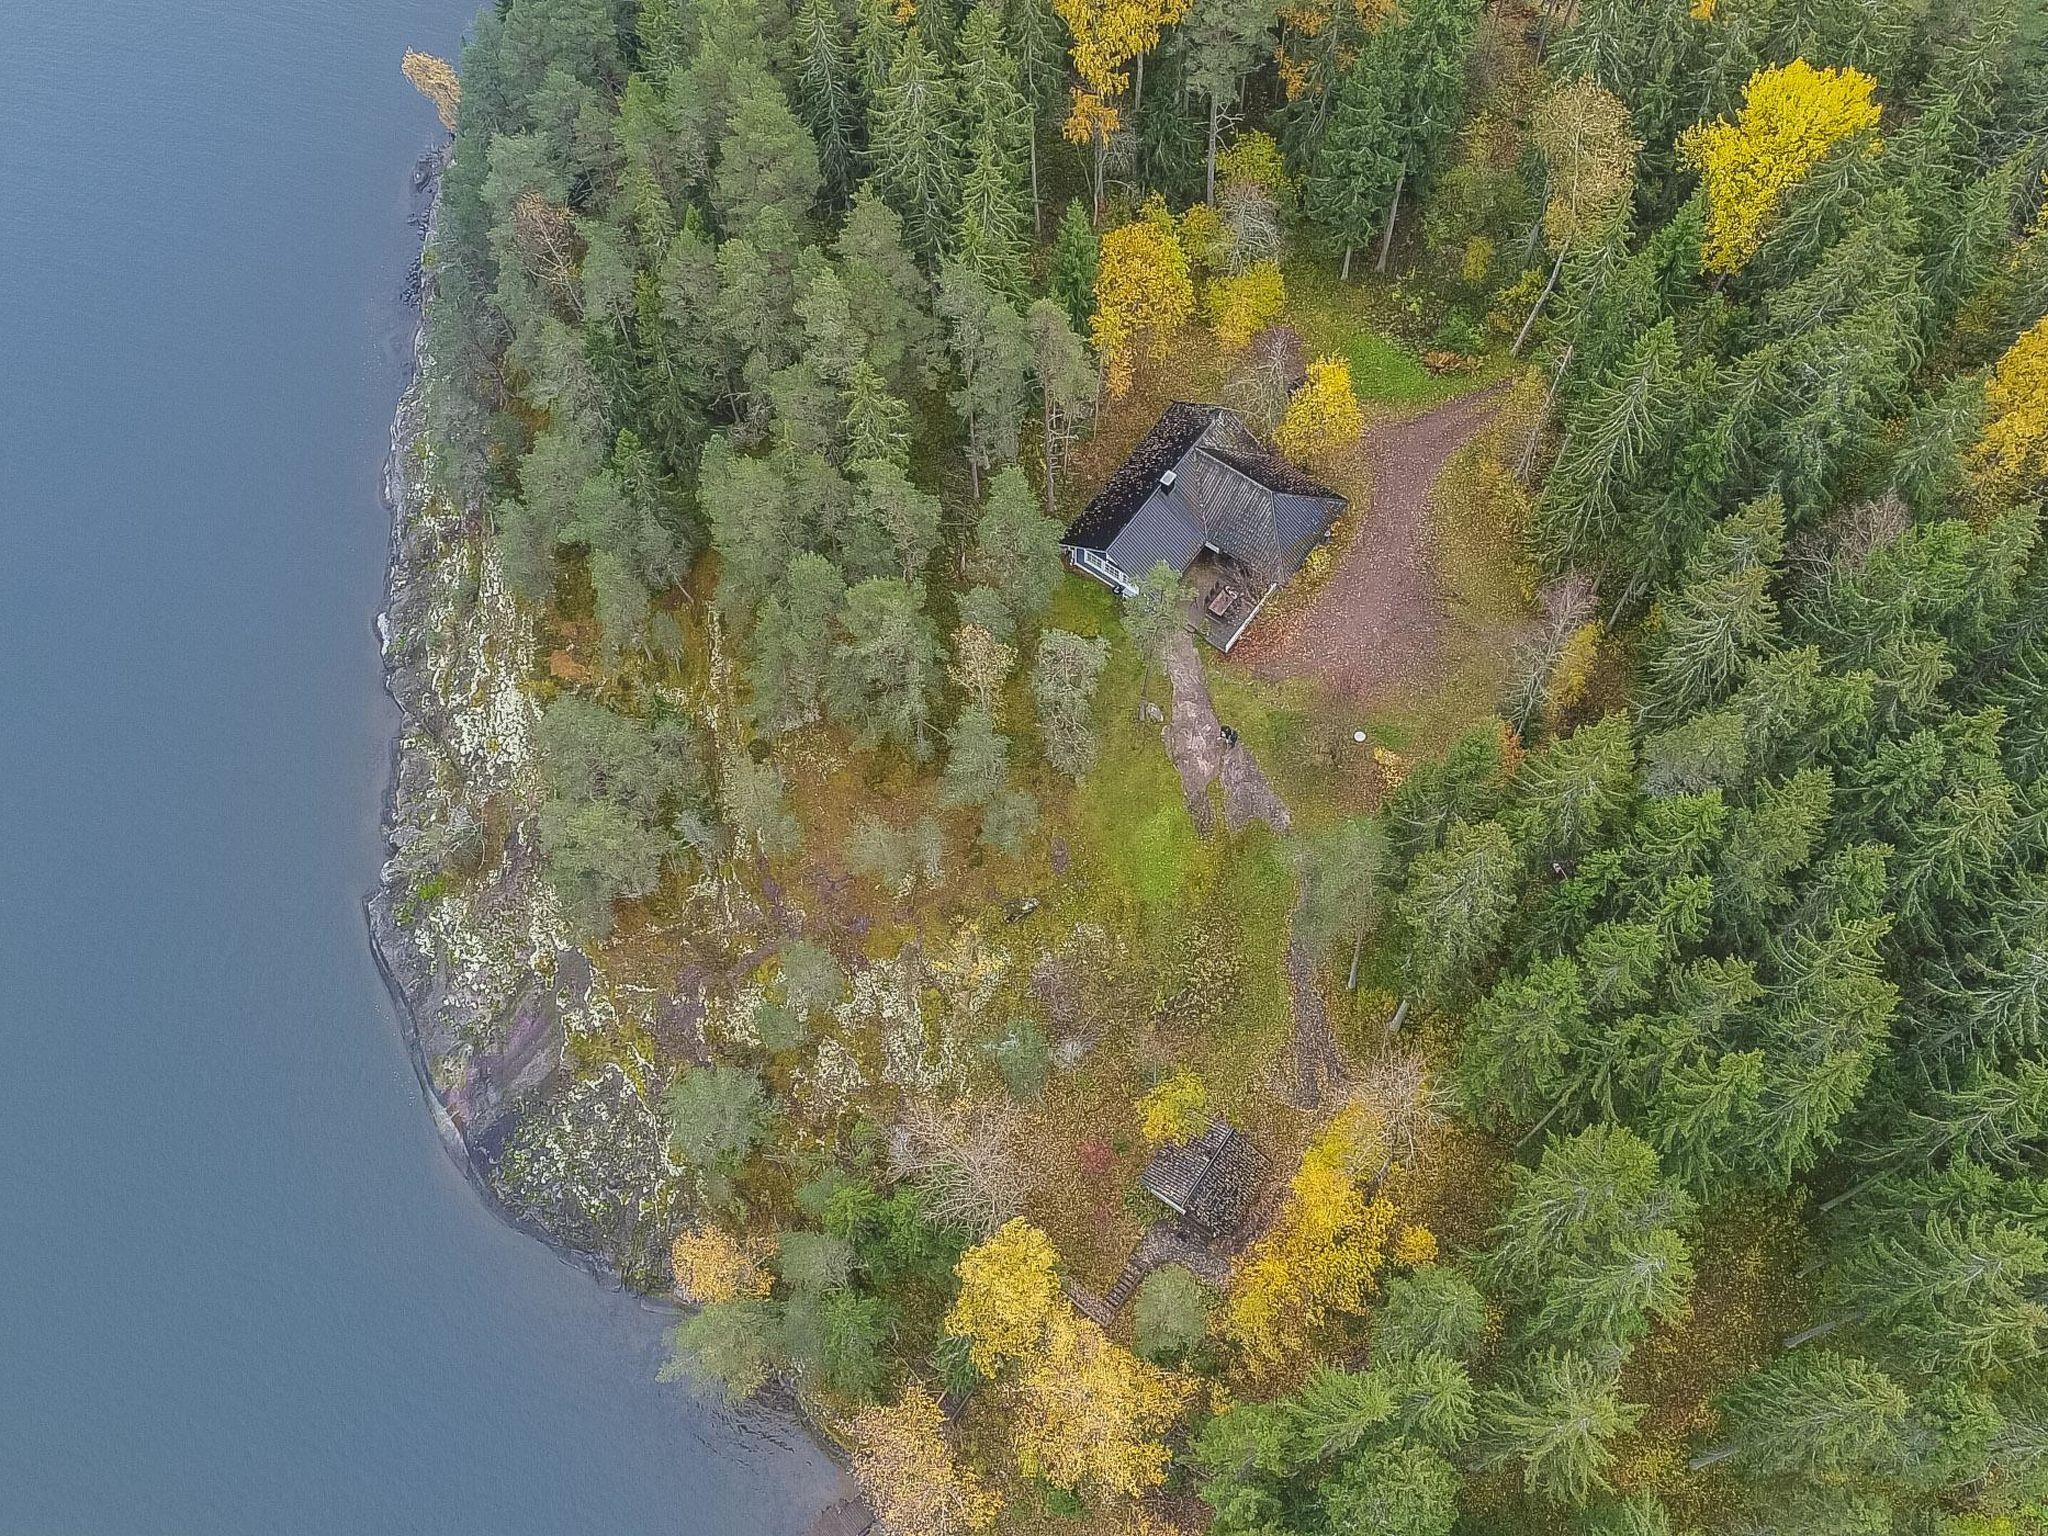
(1225, 489)
(1210, 1179)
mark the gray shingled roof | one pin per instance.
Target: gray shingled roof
(1210, 1179)
(1228, 490)
(1159, 531)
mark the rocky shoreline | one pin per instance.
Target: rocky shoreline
(464, 928)
(463, 925)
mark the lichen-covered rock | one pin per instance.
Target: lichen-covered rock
(569, 1142)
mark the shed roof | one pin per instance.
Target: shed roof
(1209, 1179)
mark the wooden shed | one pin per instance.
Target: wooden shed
(1209, 1181)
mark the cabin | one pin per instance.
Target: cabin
(1203, 495)
(1209, 1180)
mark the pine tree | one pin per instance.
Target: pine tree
(977, 760)
(991, 358)
(792, 644)
(894, 312)
(1066, 385)
(1223, 40)
(766, 160)
(1016, 549)
(885, 672)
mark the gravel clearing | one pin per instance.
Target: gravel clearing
(1378, 623)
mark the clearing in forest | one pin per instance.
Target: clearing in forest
(1379, 625)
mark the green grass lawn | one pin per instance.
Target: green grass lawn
(1351, 320)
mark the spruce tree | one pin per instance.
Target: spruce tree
(914, 146)
(827, 95)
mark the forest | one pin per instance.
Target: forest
(1633, 985)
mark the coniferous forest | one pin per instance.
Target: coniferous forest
(1614, 922)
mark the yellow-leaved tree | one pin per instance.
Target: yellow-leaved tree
(1009, 1292)
(711, 1265)
(1108, 35)
(1086, 1414)
(1143, 296)
(1323, 415)
(1589, 161)
(2013, 452)
(434, 79)
(1090, 1416)
(1321, 1257)
(1175, 1110)
(904, 1463)
(1241, 304)
(1793, 117)
(1254, 159)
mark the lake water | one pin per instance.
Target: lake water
(242, 1288)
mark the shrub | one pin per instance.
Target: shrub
(1024, 1059)
(1171, 1314)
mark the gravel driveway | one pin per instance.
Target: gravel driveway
(1378, 621)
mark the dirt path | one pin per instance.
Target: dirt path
(1203, 754)
(1379, 620)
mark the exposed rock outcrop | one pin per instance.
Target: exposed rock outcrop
(495, 995)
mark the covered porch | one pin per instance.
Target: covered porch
(1227, 596)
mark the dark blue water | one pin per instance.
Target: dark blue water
(242, 1289)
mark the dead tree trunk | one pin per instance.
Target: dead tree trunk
(1537, 308)
(1393, 212)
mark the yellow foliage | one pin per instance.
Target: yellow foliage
(1242, 304)
(1572, 671)
(434, 79)
(1793, 116)
(711, 1265)
(1582, 131)
(1008, 1296)
(1477, 260)
(1174, 1111)
(1088, 1415)
(2013, 451)
(1254, 159)
(1393, 768)
(1321, 416)
(1322, 1255)
(1143, 295)
(1090, 119)
(1415, 1246)
(1201, 234)
(902, 1461)
(1293, 74)
(1108, 34)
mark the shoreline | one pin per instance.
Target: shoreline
(399, 490)
(414, 983)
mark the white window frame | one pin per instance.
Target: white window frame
(1105, 569)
